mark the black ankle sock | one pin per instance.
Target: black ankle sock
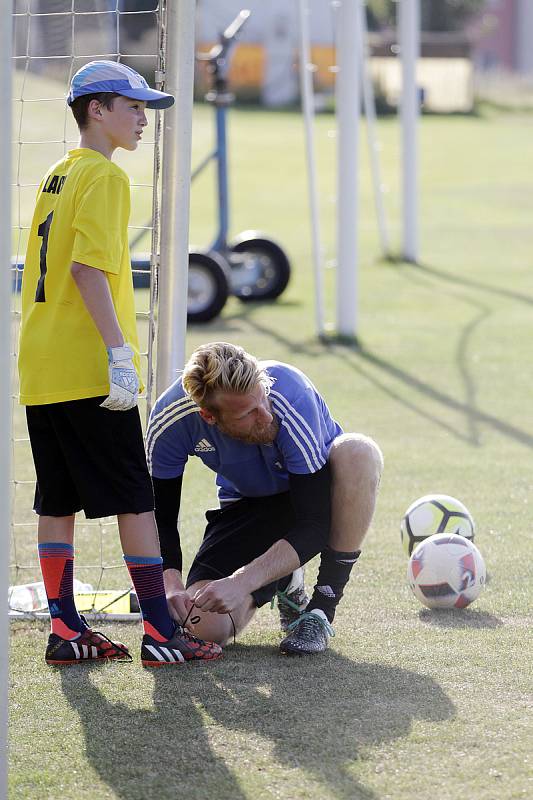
(333, 575)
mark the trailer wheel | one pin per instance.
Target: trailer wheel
(207, 287)
(260, 270)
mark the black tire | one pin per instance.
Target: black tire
(260, 270)
(208, 286)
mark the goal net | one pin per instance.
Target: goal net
(52, 40)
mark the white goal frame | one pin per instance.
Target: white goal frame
(6, 8)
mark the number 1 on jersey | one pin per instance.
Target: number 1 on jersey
(43, 230)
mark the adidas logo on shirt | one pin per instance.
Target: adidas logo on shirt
(204, 446)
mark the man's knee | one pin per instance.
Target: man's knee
(213, 627)
(219, 628)
(356, 454)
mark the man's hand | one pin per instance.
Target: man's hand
(221, 596)
(123, 380)
(179, 604)
(178, 599)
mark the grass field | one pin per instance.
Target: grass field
(406, 703)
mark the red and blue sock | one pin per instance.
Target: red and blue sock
(147, 576)
(57, 567)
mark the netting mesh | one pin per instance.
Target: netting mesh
(52, 40)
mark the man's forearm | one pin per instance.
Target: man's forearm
(167, 495)
(226, 594)
(279, 560)
(173, 581)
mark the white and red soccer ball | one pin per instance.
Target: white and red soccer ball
(446, 571)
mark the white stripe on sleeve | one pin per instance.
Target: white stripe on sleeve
(297, 426)
(165, 422)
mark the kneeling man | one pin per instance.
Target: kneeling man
(291, 484)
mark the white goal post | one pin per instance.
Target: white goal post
(5, 366)
(409, 37)
(176, 182)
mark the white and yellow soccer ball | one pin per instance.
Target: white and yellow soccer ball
(435, 513)
(446, 571)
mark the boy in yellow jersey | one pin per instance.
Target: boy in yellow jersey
(79, 370)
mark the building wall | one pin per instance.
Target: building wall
(215, 15)
(524, 37)
(265, 61)
(503, 33)
(495, 33)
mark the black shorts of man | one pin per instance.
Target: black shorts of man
(291, 484)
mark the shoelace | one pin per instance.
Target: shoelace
(308, 620)
(284, 598)
(116, 646)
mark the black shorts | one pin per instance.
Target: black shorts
(238, 533)
(89, 458)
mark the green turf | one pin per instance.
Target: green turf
(406, 703)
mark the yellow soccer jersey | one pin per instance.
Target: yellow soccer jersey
(81, 214)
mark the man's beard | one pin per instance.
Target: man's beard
(265, 435)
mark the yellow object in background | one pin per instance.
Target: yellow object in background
(111, 602)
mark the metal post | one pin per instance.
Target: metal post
(348, 111)
(369, 104)
(6, 9)
(308, 107)
(409, 39)
(221, 240)
(175, 192)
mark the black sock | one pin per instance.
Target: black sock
(333, 575)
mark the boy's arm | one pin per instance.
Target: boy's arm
(94, 289)
(123, 380)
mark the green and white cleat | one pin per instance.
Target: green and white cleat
(309, 634)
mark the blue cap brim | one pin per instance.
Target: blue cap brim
(152, 97)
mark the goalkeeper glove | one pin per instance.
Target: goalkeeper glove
(123, 380)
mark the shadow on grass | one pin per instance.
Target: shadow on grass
(462, 280)
(359, 358)
(465, 618)
(475, 418)
(224, 729)
(473, 414)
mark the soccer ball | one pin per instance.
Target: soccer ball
(446, 571)
(435, 513)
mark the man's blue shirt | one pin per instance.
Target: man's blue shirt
(306, 430)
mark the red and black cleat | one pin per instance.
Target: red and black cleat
(182, 647)
(90, 646)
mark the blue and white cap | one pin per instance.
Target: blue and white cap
(110, 76)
